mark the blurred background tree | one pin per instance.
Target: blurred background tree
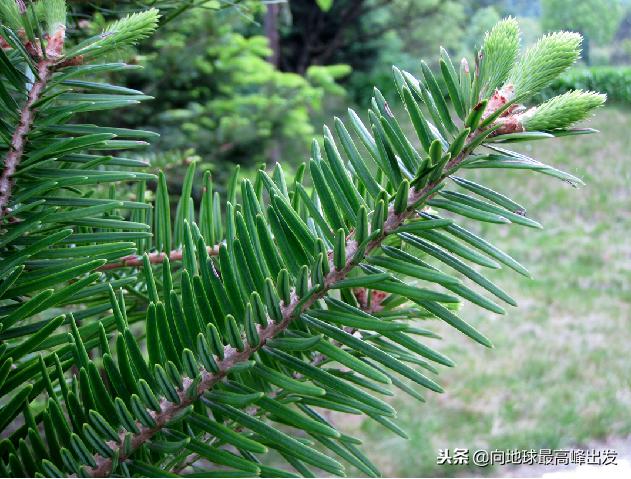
(222, 96)
(596, 20)
(217, 94)
(367, 35)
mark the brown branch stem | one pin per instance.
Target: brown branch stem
(46, 63)
(154, 258)
(23, 128)
(291, 311)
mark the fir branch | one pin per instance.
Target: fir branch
(170, 410)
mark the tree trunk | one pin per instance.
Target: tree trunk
(270, 25)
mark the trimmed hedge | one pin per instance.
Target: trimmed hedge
(615, 81)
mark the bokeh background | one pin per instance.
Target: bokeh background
(250, 82)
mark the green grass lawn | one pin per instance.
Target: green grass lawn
(559, 375)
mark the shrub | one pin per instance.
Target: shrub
(615, 81)
(136, 343)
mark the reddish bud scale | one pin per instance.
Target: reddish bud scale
(499, 99)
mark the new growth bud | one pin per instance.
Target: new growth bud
(562, 111)
(536, 69)
(543, 62)
(499, 52)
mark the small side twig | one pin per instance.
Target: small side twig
(154, 258)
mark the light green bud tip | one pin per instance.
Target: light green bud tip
(499, 52)
(544, 61)
(562, 111)
(53, 12)
(132, 28)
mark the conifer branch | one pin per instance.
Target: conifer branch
(232, 357)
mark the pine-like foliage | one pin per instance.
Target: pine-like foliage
(137, 345)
